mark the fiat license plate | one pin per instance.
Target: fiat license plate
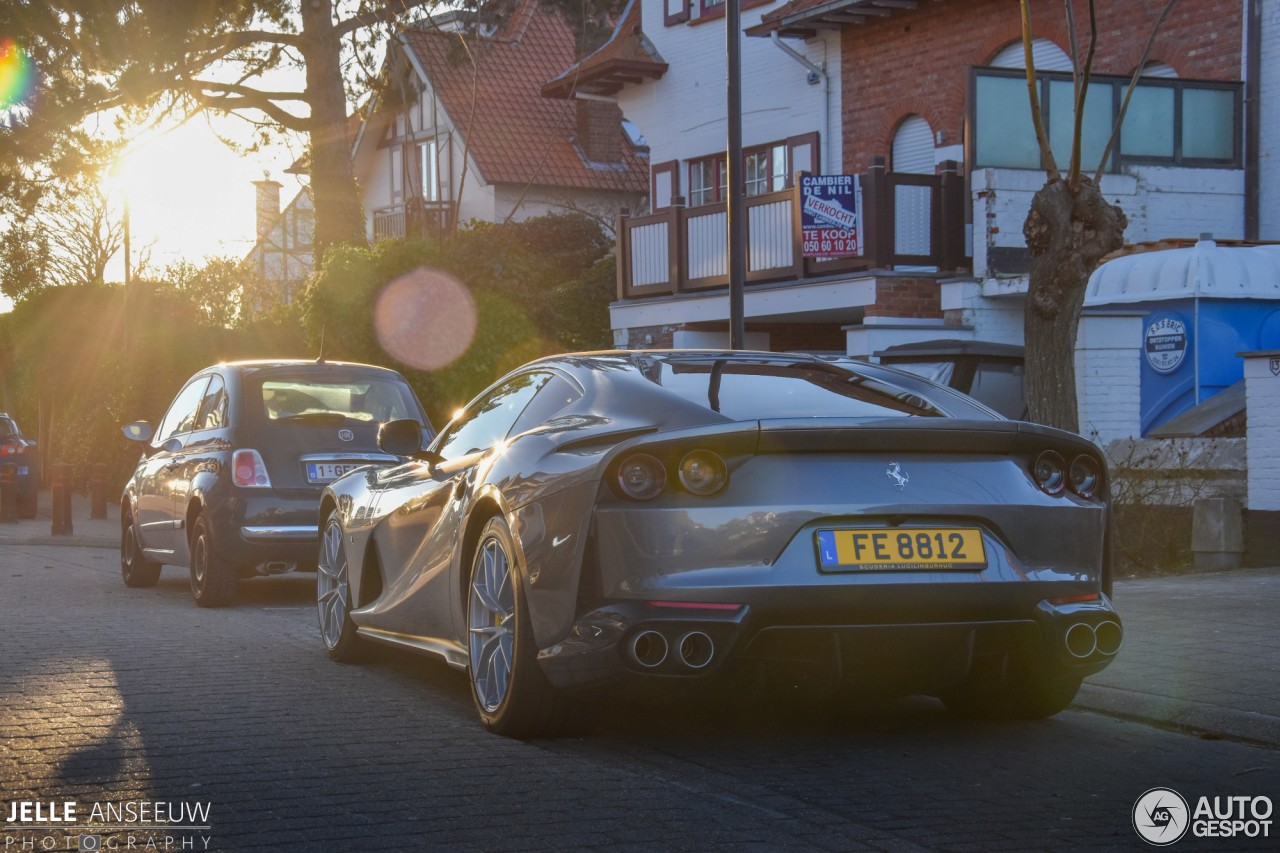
(901, 549)
(327, 472)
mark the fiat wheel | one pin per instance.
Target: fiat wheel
(135, 568)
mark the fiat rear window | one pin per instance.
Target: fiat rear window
(330, 399)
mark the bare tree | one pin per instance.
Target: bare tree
(68, 239)
(1070, 228)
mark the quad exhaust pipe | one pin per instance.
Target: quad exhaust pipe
(1083, 640)
(695, 649)
(650, 649)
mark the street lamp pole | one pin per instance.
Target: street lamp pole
(736, 214)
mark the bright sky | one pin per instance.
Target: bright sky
(192, 197)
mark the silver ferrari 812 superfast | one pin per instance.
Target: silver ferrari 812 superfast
(607, 524)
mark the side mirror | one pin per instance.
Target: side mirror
(404, 438)
(138, 431)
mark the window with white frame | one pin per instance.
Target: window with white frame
(397, 174)
(766, 169)
(429, 169)
(707, 180)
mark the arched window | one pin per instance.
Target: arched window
(913, 150)
(1159, 69)
(1046, 55)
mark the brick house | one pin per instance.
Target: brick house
(461, 132)
(926, 103)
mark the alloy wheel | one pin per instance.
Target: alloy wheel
(332, 586)
(491, 618)
(199, 564)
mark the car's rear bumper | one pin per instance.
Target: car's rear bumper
(255, 529)
(905, 636)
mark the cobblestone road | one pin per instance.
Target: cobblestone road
(109, 694)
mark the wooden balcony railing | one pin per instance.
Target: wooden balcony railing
(415, 219)
(907, 220)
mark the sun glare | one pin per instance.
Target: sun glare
(190, 196)
(15, 74)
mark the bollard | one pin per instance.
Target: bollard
(61, 488)
(98, 491)
(8, 493)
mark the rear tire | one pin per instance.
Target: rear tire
(508, 688)
(28, 504)
(213, 579)
(333, 596)
(136, 570)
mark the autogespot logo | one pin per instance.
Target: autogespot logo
(1160, 816)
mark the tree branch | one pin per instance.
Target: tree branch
(246, 99)
(385, 15)
(1082, 89)
(1128, 93)
(1042, 138)
(249, 91)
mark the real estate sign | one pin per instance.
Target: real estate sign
(829, 216)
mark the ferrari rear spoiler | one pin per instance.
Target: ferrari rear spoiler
(919, 435)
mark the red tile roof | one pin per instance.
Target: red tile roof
(513, 133)
(627, 57)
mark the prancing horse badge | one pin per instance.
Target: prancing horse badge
(894, 472)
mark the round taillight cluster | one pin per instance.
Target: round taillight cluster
(1052, 474)
(1085, 476)
(643, 477)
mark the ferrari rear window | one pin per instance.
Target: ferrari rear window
(751, 390)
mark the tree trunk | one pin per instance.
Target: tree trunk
(1068, 232)
(339, 215)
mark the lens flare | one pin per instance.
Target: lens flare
(425, 319)
(15, 74)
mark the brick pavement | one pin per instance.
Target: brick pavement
(109, 693)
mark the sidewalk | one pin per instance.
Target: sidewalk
(86, 532)
(1201, 651)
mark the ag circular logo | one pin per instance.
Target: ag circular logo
(1165, 342)
(1161, 816)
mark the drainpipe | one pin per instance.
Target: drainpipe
(816, 73)
(1253, 115)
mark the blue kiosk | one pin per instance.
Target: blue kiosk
(1202, 305)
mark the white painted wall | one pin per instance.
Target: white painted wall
(1160, 202)
(683, 115)
(1262, 398)
(996, 318)
(1109, 377)
(1269, 150)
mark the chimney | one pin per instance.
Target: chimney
(599, 130)
(268, 204)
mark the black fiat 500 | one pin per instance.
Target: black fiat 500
(229, 482)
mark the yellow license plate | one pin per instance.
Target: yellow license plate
(901, 548)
